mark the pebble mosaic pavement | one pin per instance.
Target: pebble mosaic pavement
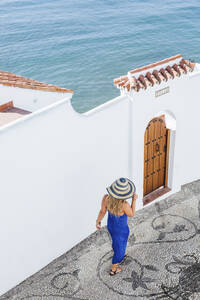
(163, 259)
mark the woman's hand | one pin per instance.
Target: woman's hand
(134, 198)
(98, 225)
(102, 212)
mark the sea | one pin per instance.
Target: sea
(84, 44)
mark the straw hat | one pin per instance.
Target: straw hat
(121, 189)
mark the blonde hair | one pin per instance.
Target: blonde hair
(114, 205)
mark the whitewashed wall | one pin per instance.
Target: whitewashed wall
(182, 102)
(29, 99)
(55, 166)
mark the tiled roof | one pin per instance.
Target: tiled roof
(10, 79)
(155, 73)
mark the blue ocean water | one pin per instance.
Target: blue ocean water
(84, 44)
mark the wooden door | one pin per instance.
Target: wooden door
(155, 154)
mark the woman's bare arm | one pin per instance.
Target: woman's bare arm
(130, 210)
(102, 212)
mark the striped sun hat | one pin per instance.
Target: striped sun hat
(121, 189)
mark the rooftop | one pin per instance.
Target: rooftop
(147, 76)
(11, 79)
(9, 113)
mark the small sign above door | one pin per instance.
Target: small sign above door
(162, 92)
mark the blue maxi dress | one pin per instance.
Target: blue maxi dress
(118, 228)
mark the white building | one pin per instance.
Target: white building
(56, 163)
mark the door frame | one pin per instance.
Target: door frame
(160, 191)
(167, 158)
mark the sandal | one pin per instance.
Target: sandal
(115, 272)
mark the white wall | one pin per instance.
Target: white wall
(182, 102)
(55, 167)
(56, 164)
(29, 99)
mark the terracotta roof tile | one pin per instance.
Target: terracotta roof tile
(127, 85)
(150, 78)
(139, 85)
(142, 81)
(154, 79)
(170, 71)
(148, 83)
(163, 72)
(188, 68)
(162, 77)
(182, 71)
(118, 80)
(189, 64)
(173, 72)
(177, 70)
(10, 79)
(133, 82)
(156, 73)
(183, 66)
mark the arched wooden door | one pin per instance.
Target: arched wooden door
(155, 155)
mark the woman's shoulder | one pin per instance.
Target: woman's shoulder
(125, 206)
(105, 197)
(125, 203)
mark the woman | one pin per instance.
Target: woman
(118, 210)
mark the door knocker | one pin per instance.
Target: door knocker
(157, 147)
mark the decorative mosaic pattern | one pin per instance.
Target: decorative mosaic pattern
(163, 260)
